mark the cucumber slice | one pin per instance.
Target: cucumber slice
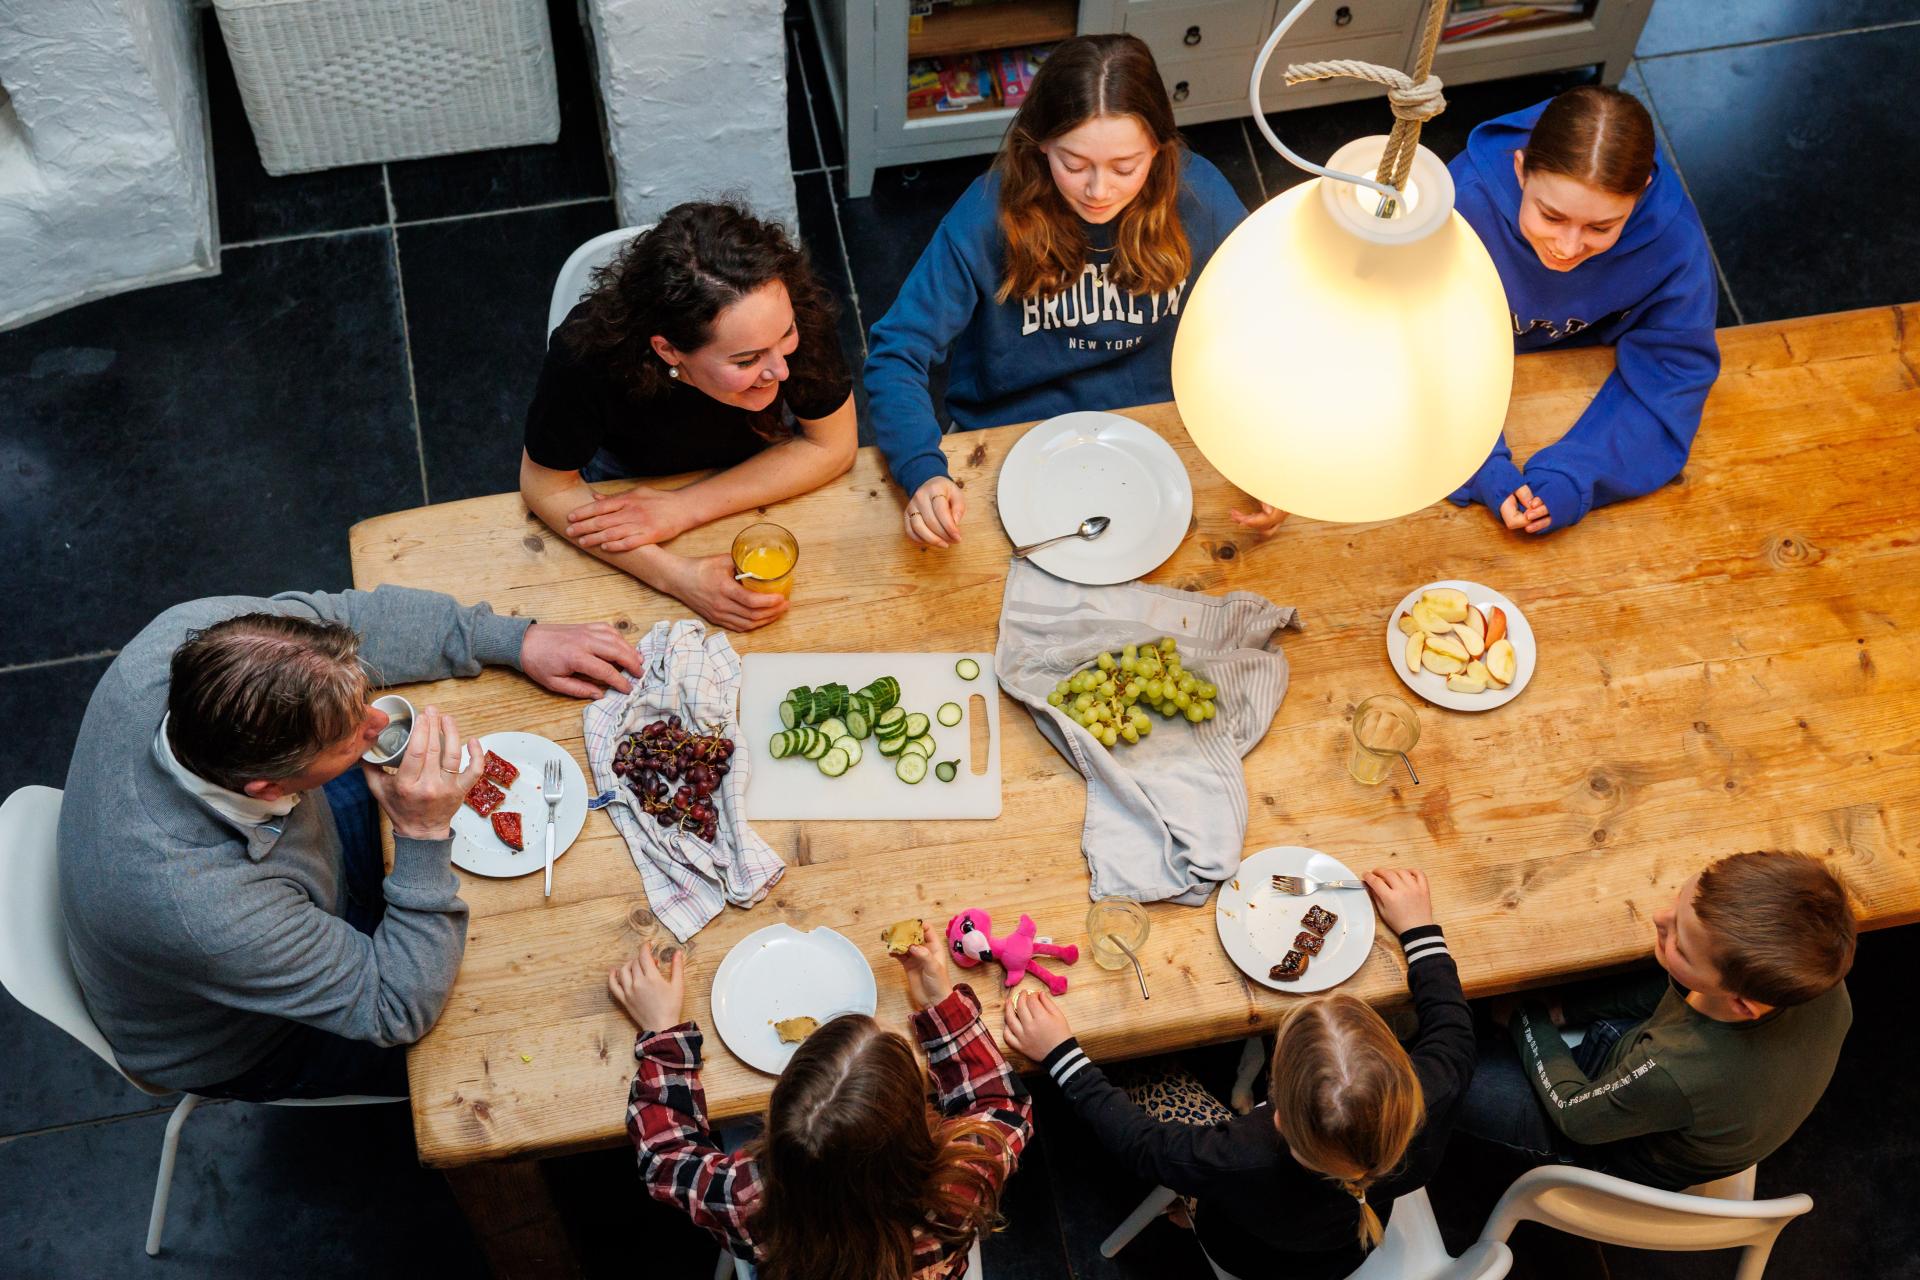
(834, 763)
(787, 717)
(819, 745)
(858, 723)
(910, 768)
(948, 714)
(893, 746)
(833, 727)
(916, 724)
(777, 748)
(920, 746)
(946, 768)
(966, 669)
(892, 721)
(849, 745)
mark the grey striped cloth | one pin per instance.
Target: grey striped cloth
(1166, 817)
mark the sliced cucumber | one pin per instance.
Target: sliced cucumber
(834, 763)
(916, 724)
(893, 746)
(892, 723)
(910, 768)
(777, 748)
(833, 727)
(945, 770)
(966, 669)
(948, 714)
(849, 745)
(858, 723)
(922, 746)
(787, 717)
(818, 745)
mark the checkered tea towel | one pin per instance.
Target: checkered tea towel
(695, 675)
(1167, 816)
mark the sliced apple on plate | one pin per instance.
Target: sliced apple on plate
(1496, 625)
(1501, 662)
(1428, 619)
(1463, 683)
(1416, 643)
(1449, 603)
(1439, 663)
(1451, 646)
(1477, 670)
(1474, 642)
(1406, 624)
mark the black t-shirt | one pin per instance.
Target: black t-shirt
(580, 406)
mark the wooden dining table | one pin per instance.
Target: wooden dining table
(1730, 663)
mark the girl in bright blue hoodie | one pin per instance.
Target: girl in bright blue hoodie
(1596, 242)
(1055, 283)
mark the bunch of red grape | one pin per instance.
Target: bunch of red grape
(665, 753)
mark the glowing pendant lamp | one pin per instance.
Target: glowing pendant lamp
(1337, 363)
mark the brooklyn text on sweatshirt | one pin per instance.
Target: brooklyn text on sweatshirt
(1093, 345)
(1652, 297)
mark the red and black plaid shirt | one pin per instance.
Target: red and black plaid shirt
(681, 1161)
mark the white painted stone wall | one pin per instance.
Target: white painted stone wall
(696, 102)
(104, 179)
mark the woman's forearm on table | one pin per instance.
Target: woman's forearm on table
(551, 495)
(782, 471)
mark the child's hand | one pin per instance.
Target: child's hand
(1522, 510)
(1035, 1025)
(1262, 522)
(1402, 897)
(926, 970)
(650, 999)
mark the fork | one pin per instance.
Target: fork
(1301, 886)
(553, 784)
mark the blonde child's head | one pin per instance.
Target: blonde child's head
(1345, 1097)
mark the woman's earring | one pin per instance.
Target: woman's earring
(673, 371)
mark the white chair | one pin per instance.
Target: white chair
(1410, 1248)
(1615, 1211)
(741, 1269)
(577, 274)
(36, 971)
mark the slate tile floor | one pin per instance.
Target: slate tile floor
(370, 344)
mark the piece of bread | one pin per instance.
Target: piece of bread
(1309, 942)
(794, 1030)
(1292, 967)
(1318, 919)
(902, 934)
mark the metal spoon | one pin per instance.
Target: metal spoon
(1090, 528)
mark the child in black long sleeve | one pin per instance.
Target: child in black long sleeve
(1353, 1120)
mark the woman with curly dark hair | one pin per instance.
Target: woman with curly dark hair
(707, 345)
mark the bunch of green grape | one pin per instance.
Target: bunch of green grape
(1105, 698)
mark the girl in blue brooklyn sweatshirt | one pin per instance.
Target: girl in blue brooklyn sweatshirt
(1055, 283)
(1596, 242)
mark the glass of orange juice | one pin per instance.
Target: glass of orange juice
(763, 558)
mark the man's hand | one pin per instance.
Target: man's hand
(926, 969)
(1262, 522)
(650, 999)
(425, 789)
(640, 517)
(1035, 1025)
(581, 661)
(1522, 510)
(1401, 896)
(709, 587)
(935, 511)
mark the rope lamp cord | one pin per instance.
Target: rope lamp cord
(1415, 99)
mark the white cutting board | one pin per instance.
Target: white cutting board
(795, 787)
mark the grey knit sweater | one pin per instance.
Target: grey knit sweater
(200, 945)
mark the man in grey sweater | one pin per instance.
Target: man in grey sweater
(220, 866)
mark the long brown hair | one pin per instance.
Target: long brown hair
(1602, 137)
(698, 260)
(1046, 247)
(1345, 1097)
(853, 1160)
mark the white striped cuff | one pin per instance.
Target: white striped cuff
(1070, 1062)
(1423, 948)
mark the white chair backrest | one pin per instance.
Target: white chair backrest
(1411, 1249)
(1615, 1211)
(577, 274)
(34, 967)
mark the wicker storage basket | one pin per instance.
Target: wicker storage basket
(336, 82)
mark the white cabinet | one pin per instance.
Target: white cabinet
(1205, 49)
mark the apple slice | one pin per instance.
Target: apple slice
(1440, 664)
(1478, 622)
(1477, 670)
(1474, 642)
(1429, 620)
(1496, 624)
(1449, 645)
(1466, 684)
(1406, 624)
(1447, 602)
(1502, 662)
(1415, 644)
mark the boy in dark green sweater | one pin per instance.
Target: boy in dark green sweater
(1697, 1073)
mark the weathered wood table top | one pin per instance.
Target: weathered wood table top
(1728, 664)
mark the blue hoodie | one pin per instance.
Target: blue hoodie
(1652, 297)
(1093, 346)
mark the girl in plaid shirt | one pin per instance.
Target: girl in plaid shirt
(857, 1176)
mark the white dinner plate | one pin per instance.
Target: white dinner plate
(1258, 923)
(1096, 464)
(777, 973)
(477, 849)
(1434, 688)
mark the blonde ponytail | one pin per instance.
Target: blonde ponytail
(1370, 1229)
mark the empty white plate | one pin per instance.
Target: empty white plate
(777, 973)
(1096, 464)
(1258, 923)
(477, 849)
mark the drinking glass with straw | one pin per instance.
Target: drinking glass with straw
(1116, 930)
(763, 558)
(1384, 730)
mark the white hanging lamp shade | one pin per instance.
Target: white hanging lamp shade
(1343, 366)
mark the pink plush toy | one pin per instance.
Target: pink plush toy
(971, 933)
